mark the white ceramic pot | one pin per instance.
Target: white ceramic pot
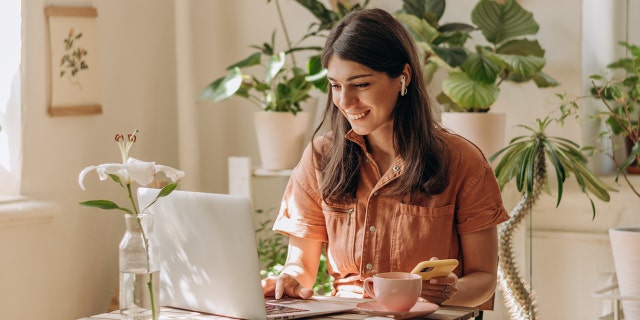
(486, 130)
(625, 245)
(281, 138)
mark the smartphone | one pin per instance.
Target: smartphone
(435, 268)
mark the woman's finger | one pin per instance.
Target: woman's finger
(280, 285)
(440, 289)
(269, 286)
(286, 285)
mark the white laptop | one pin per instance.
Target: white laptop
(208, 258)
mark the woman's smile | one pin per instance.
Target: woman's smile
(356, 116)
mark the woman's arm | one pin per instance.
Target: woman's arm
(299, 272)
(303, 259)
(480, 257)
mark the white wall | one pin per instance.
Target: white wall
(66, 268)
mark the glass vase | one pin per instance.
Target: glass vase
(139, 271)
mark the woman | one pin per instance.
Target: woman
(387, 188)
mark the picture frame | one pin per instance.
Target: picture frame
(74, 64)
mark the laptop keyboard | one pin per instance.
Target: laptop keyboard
(279, 309)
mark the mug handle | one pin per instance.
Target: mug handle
(367, 285)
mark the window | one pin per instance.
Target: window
(10, 110)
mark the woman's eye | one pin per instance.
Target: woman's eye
(334, 86)
(361, 85)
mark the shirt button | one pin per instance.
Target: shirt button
(372, 229)
(396, 168)
(369, 266)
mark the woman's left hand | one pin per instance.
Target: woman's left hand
(440, 289)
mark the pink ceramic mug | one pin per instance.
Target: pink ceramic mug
(395, 291)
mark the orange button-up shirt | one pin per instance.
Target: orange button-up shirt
(380, 232)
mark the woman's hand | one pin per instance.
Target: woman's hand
(284, 285)
(440, 289)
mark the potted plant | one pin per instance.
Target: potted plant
(282, 87)
(520, 160)
(620, 97)
(475, 72)
(278, 91)
(621, 100)
(525, 159)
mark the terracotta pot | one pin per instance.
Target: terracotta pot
(486, 130)
(625, 245)
(281, 138)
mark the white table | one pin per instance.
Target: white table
(444, 313)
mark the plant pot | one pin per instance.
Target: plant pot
(281, 138)
(486, 130)
(625, 245)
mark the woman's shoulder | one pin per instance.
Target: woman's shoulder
(456, 141)
(462, 151)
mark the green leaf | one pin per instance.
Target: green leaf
(223, 88)
(481, 69)
(275, 64)
(419, 28)
(317, 74)
(559, 169)
(430, 10)
(326, 16)
(500, 22)
(167, 189)
(468, 94)
(633, 155)
(521, 47)
(104, 204)
(523, 66)
(249, 61)
(453, 56)
(543, 80)
(115, 178)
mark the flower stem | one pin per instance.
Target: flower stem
(145, 242)
(152, 297)
(133, 201)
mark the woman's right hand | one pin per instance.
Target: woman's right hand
(284, 285)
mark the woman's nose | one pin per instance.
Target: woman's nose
(346, 99)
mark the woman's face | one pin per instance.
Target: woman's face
(364, 96)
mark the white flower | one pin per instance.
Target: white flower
(142, 172)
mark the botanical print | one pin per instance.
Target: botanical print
(73, 60)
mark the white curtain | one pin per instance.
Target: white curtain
(188, 142)
(10, 98)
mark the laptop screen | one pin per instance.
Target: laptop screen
(207, 253)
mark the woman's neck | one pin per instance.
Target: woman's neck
(381, 148)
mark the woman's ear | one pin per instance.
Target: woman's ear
(407, 73)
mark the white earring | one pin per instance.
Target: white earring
(403, 90)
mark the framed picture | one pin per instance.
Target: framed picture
(74, 61)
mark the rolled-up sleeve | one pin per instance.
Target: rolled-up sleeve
(301, 211)
(479, 201)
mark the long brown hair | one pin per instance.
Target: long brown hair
(374, 38)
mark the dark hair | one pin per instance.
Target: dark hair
(374, 38)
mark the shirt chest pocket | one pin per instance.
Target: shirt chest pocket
(420, 233)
